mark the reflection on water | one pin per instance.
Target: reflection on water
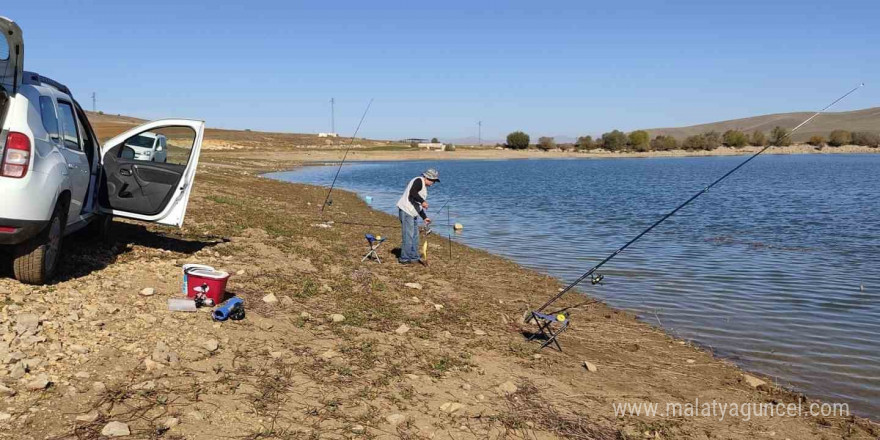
(767, 269)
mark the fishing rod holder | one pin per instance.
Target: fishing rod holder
(596, 279)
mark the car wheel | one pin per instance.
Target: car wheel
(36, 260)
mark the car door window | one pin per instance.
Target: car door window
(50, 119)
(167, 145)
(70, 131)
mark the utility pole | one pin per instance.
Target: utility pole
(332, 116)
(480, 133)
(94, 102)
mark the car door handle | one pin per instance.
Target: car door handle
(125, 172)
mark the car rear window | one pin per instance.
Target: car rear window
(47, 113)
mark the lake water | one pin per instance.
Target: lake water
(777, 268)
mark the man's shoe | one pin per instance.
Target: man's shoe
(404, 261)
(423, 262)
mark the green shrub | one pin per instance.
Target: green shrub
(450, 147)
(434, 141)
(816, 141)
(780, 137)
(865, 138)
(735, 139)
(664, 143)
(639, 140)
(546, 143)
(614, 140)
(839, 137)
(758, 139)
(695, 142)
(518, 140)
(713, 140)
(565, 147)
(585, 143)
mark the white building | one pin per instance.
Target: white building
(327, 135)
(432, 146)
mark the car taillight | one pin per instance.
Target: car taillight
(17, 157)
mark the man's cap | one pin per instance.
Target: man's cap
(431, 174)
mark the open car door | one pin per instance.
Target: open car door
(137, 185)
(11, 55)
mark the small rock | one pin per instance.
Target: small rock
(270, 299)
(591, 367)
(395, 419)
(17, 371)
(438, 307)
(466, 386)
(402, 329)
(536, 356)
(240, 272)
(171, 422)
(690, 361)
(6, 391)
(99, 387)
(80, 349)
(4, 417)
(358, 429)
(116, 429)
(26, 322)
(336, 317)
(416, 286)
(753, 381)
(415, 300)
(329, 354)
(508, 387)
(152, 365)
(305, 315)
(276, 354)
(451, 407)
(40, 383)
(286, 301)
(88, 417)
(148, 291)
(82, 375)
(212, 345)
(479, 332)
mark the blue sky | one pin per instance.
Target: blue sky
(435, 68)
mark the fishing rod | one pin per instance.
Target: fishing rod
(596, 279)
(350, 143)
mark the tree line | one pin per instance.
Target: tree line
(641, 141)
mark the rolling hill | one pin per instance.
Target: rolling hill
(858, 120)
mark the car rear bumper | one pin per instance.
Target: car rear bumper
(19, 231)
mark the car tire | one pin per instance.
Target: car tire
(36, 260)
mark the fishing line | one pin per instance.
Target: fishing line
(598, 278)
(353, 137)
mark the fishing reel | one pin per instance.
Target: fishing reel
(596, 279)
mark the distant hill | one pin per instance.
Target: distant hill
(858, 120)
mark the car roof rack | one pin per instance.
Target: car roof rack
(37, 79)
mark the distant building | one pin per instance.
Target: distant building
(327, 135)
(433, 146)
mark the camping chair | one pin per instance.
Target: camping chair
(374, 244)
(549, 327)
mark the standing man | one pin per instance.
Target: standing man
(411, 206)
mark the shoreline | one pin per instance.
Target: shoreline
(332, 346)
(464, 153)
(646, 320)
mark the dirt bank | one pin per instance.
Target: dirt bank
(441, 358)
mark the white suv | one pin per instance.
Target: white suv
(56, 179)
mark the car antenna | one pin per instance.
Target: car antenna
(328, 200)
(597, 278)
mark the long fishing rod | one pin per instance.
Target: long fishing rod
(350, 143)
(597, 279)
